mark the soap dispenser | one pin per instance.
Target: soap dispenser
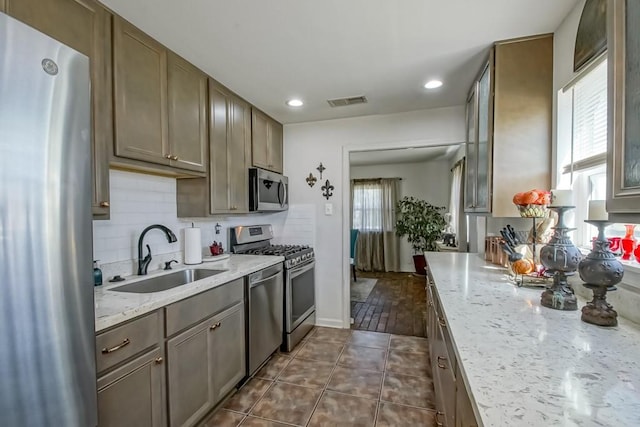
(97, 274)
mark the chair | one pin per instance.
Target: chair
(354, 240)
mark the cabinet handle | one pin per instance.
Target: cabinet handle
(107, 350)
(159, 360)
(214, 326)
(442, 322)
(104, 204)
(441, 365)
(168, 156)
(174, 158)
(438, 423)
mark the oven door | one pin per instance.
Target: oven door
(299, 295)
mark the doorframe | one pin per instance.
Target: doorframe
(346, 205)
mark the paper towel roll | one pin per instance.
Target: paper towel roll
(192, 246)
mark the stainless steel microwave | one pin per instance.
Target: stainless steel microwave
(268, 191)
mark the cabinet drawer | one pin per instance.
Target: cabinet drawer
(191, 310)
(124, 341)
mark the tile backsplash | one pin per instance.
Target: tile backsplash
(139, 200)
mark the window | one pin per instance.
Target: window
(582, 149)
(582, 157)
(367, 206)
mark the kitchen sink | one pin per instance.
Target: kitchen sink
(167, 281)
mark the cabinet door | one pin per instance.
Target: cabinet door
(444, 382)
(471, 165)
(259, 139)
(484, 124)
(187, 109)
(190, 372)
(140, 91)
(623, 159)
(133, 395)
(85, 26)
(218, 154)
(275, 146)
(228, 351)
(464, 411)
(239, 146)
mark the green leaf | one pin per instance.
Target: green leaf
(420, 221)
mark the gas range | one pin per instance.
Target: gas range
(293, 254)
(255, 240)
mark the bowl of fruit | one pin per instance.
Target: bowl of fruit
(533, 203)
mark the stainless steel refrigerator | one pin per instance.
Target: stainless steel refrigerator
(47, 344)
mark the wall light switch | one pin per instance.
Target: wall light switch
(328, 208)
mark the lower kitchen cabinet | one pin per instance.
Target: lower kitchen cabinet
(453, 405)
(204, 363)
(444, 381)
(134, 394)
(464, 411)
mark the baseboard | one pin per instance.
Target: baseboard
(330, 323)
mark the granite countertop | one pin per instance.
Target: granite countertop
(113, 307)
(528, 365)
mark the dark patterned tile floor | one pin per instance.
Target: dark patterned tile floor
(338, 377)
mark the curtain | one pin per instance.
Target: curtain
(457, 221)
(373, 213)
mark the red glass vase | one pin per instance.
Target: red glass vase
(628, 242)
(636, 253)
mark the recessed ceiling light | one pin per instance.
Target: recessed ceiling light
(432, 84)
(295, 103)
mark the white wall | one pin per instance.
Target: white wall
(425, 180)
(139, 200)
(329, 142)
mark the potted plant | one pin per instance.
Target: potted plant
(423, 224)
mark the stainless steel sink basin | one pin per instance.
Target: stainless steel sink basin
(167, 281)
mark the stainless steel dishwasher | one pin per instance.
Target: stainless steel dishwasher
(265, 296)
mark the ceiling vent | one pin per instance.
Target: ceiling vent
(343, 102)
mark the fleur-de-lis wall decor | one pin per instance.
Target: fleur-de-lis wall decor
(327, 189)
(311, 180)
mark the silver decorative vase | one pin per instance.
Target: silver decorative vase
(601, 271)
(560, 258)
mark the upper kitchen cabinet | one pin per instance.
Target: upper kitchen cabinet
(159, 104)
(85, 26)
(266, 142)
(509, 113)
(225, 190)
(187, 95)
(140, 91)
(623, 153)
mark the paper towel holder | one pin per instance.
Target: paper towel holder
(192, 245)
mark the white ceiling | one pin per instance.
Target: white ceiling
(402, 155)
(271, 51)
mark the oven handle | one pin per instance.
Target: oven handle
(254, 284)
(296, 271)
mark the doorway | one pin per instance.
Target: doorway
(386, 296)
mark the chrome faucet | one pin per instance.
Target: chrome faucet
(143, 263)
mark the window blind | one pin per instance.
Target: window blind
(590, 115)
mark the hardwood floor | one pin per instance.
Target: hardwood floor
(397, 305)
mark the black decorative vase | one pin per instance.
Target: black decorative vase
(560, 258)
(600, 271)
